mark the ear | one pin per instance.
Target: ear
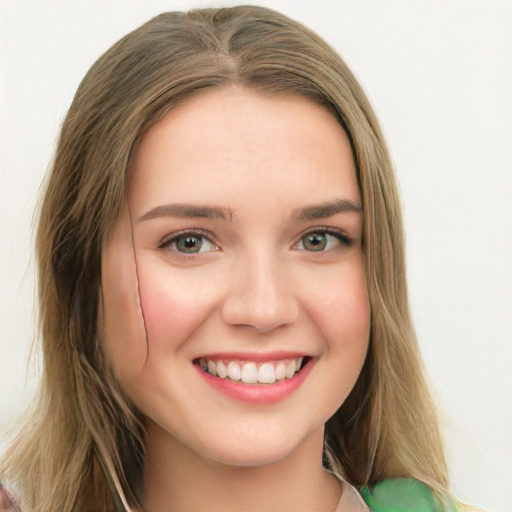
(120, 315)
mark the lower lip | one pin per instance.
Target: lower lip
(261, 394)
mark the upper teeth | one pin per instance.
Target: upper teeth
(251, 372)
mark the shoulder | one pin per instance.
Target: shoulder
(7, 502)
(407, 495)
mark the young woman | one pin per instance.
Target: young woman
(222, 293)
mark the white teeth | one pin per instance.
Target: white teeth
(222, 371)
(249, 373)
(267, 373)
(280, 371)
(234, 370)
(290, 369)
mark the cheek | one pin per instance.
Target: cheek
(345, 323)
(174, 303)
(341, 308)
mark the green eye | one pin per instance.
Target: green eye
(320, 241)
(189, 244)
(315, 242)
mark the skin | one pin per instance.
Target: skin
(254, 287)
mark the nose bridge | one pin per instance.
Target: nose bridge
(262, 293)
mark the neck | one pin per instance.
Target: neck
(177, 478)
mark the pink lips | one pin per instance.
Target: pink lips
(260, 394)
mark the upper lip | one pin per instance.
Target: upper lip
(252, 356)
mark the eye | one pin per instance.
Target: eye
(322, 240)
(189, 243)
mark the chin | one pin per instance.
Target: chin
(251, 460)
(256, 449)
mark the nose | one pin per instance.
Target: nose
(261, 296)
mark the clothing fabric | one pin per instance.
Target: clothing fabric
(403, 495)
(351, 500)
(7, 502)
(408, 495)
(393, 495)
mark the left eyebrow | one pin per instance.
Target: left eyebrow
(187, 211)
(325, 210)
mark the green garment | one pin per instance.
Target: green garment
(402, 495)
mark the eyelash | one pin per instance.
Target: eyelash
(325, 230)
(194, 233)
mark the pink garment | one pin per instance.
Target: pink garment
(351, 500)
(7, 502)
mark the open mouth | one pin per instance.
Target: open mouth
(253, 372)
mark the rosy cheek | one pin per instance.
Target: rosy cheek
(164, 313)
(172, 304)
(342, 306)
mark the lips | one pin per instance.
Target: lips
(258, 379)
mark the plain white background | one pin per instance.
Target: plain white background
(438, 73)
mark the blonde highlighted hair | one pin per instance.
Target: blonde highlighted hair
(81, 447)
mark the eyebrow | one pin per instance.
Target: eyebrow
(325, 210)
(311, 212)
(187, 211)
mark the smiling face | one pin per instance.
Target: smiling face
(253, 321)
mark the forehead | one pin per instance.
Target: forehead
(235, 140)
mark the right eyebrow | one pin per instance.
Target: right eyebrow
(187, 211)
(325, 210)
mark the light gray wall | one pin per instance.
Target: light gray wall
(438, 73)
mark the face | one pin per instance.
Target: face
(235, 309)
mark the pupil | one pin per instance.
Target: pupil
(316, 242)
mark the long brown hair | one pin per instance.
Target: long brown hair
(82, 444)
